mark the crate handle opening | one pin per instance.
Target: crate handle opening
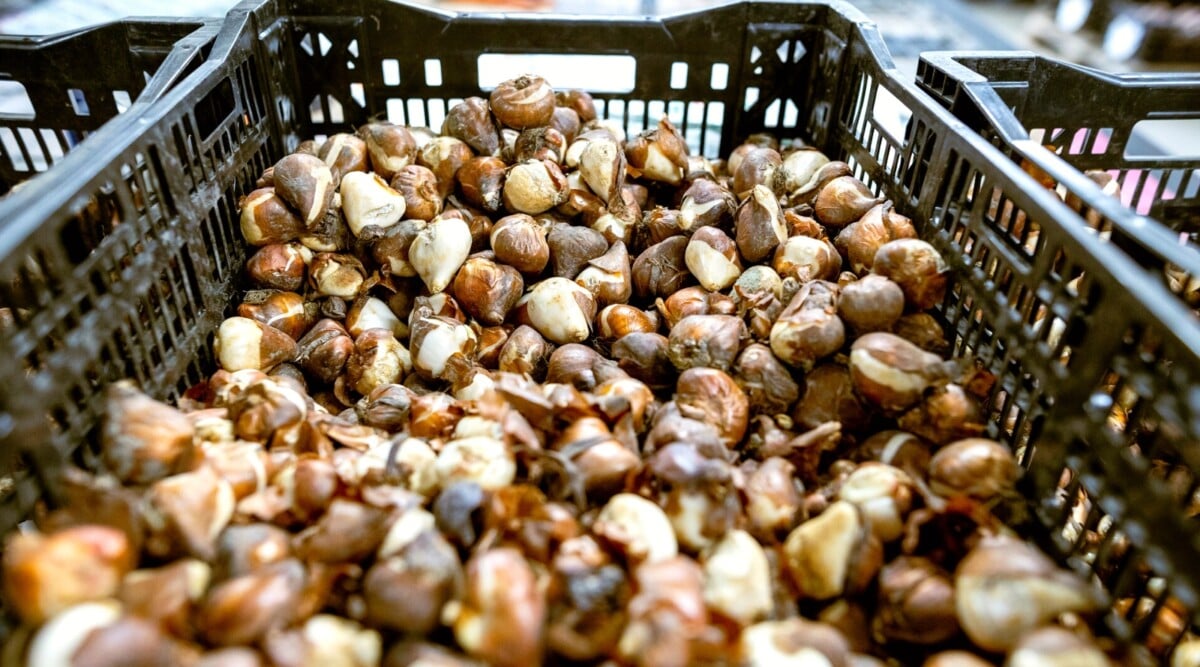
(595, 73)
(1165, 138)
(15, 102)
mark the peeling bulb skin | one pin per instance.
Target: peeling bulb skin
(760, 224)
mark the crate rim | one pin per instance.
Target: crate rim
(18, 40)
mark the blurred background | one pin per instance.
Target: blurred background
(1115, 35)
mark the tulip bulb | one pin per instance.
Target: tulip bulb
(1005, 588)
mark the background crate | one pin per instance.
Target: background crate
(1048, 318)
(56, 90)
(1022, 102)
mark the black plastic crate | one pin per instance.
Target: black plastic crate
(56, 90)
(1049, 319)
(1095, 121)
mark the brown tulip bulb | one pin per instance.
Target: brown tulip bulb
(758, 166)
(809, 328)
(142, 440)
(501, 614)
(281, 266)
(378, 359)
(712, 341)
(615, 321)
(243, 610)
(488, 290)
(46, 574)
(566, 122)
(391, 147)
(581, 366)
(419, 187)
(705, 203)
(661, 270)
(805, 259)
(286, 311)
(800, 166)
(891, 372)
(977, 468)
(306, 184)
(922, 330)
(644, 357)
(710, 395)
(608, 277)
(579, 101)
(520, 242)
(444, 156)
(768, 383)
(526, 352)
(470, 121)
(540, 143)
(336, 275)
(481, 181)
(571, 247)
(916, 602)
(842, 201)
(760, 224)
(829, 396)
(324, 350)
(343, 153)
(659, 154)
(524, 102)
(872, 303)
(860, 240)
(266, 219)
(917, 268)
(945, 414)
(1004, 588)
